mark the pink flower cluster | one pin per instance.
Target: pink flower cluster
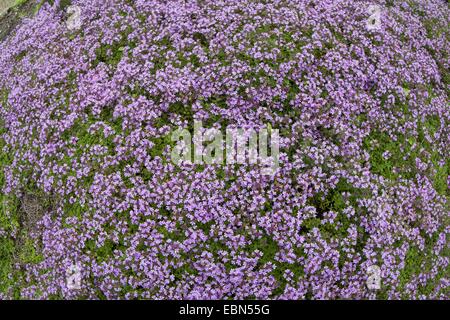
(363, 117)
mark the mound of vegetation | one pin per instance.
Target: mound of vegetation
(363, 179)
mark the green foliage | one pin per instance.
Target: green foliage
(28, 253)
(378, 143)
(403, 152)
(111, 54)
(419, 261)
(6, 263)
